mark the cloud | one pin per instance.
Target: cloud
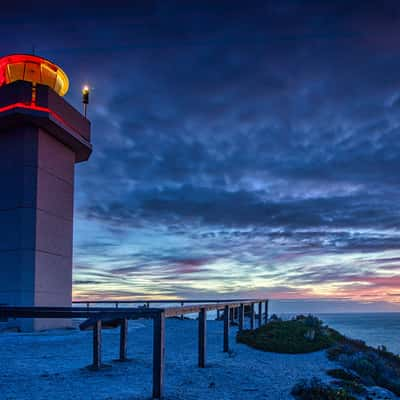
(248, 208)
(238, 147)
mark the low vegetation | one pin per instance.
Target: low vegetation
(315, 389)
(372, 367)
(299, 335)
(361, 366)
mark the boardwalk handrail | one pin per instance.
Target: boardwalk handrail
(119, 316)
(160, 301)
(147, 302)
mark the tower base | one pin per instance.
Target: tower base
(41, 139)
(36, 223)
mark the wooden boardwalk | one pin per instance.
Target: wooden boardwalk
(97, 318)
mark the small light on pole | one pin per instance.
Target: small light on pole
(85, 99)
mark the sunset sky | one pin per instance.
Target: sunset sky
(241, 148)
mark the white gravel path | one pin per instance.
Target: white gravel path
(49, 365)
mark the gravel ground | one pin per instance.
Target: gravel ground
(50, 365)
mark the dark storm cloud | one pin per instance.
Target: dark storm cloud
(78, 282)
(244, 208)
(169, 265)
(225, 107)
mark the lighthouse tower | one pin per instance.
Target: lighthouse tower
(41, 138)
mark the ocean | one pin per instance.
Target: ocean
(373, 328)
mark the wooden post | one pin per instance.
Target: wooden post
(252, 316)
(231, 314)
(202, 337)
(97, 345)
(266, 312)
(241, 317)
(259, 314)
(226, 329)
(123, 338)
(218, 314)
(182, 316)
(158, 355)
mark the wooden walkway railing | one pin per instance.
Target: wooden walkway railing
(100, 317)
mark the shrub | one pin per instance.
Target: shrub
(315, 389)
(274, 317)
(343, 375)
(373, 366)
(351, 387)
(313, 322)
(293, 337)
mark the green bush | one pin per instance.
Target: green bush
(315, 389)
(347, 380)
(342, 374)
(274, 317)
(300, 335)
(351, 387)
(373, 366)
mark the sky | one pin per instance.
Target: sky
(240, 148)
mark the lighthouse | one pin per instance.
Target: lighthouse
(42, 137)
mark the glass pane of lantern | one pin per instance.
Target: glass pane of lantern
(32, 72)
(59, 84)
(15, 72)
(48, 76)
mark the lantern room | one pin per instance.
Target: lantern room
(38, 70)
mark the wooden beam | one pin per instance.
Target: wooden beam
(266, 313)
(259, 314)
(177, 311)
(109, 313)
(202, 337)
(158, 355)
(241, 317)
(252, 316)
(226, 328)
(123, 339)
(160, 301)
(97, 345)
(105, 323)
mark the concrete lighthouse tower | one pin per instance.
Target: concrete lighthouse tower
(41, 138)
